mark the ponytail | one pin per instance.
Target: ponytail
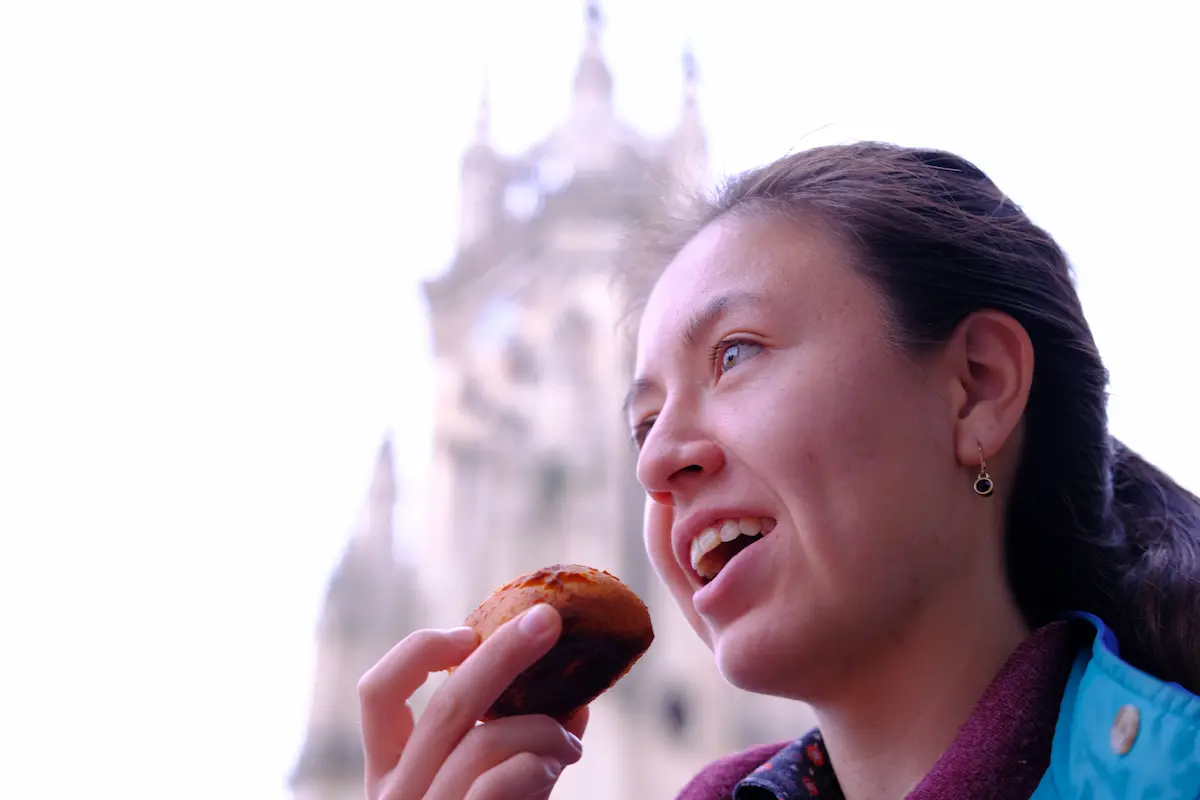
(1156, 595)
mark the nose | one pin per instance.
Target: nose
(673, 462)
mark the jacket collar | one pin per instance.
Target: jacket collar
(1003, 749)
(1122, 732)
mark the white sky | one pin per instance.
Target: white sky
(213, 217)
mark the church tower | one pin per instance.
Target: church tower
(530, 454)
(369, 606)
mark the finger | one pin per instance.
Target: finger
(577, 723)
(656, 532)
(523, 775)
(384, 691)
(470, 692)
(407, 665)
(491, 744)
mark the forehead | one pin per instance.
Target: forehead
(787, 262)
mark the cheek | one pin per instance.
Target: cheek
(809, 415)
(849, 448)
(879, 481)
(863, 422)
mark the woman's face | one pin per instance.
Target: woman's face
(768, 394)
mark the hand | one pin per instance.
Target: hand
(445, 755)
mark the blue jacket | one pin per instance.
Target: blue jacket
(1122, 734)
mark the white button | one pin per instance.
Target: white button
(1124, 730)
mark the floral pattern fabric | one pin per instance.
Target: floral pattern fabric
(798, 771)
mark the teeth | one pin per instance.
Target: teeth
(713, 537)
(708, 540)
(751, 526)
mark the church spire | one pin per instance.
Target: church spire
(483, 116)
(689, 78)
(689, 146)
(595, 20)
(480, 182)
(369, 606)
(589, 137)
(593, 81)
(381, 502)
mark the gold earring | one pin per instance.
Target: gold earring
(983, 484)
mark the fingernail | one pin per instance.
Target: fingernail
(574, 740)
(553, 767)
(537, 621)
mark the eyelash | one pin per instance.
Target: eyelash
(640, 432)
(717, 352)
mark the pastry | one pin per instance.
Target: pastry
(605, 630)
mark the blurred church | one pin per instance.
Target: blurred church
(532, 463)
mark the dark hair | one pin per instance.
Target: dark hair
(1091, 526)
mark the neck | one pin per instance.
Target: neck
(887, 726)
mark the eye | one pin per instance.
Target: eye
(641, 431)
(728, 353)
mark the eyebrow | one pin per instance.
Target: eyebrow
(708, 316)
(699, 324)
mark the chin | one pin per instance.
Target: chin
(742, 670)
(781, 654)
(758, 659)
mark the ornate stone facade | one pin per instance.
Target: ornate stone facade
(532, 464)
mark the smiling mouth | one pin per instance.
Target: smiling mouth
(716, 545)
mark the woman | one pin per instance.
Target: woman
(874, 354)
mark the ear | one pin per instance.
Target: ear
(991, 361)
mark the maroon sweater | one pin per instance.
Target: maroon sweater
(1000, 753)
